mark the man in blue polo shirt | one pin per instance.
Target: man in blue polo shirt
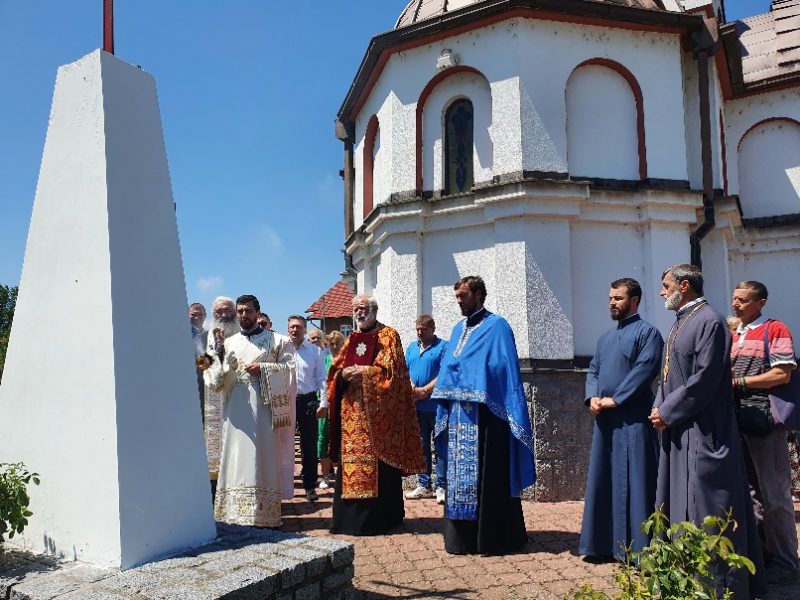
(423, 358)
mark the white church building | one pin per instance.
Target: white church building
(552, 146)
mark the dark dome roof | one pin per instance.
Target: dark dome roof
(419, 10)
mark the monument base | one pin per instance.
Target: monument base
(242, 563)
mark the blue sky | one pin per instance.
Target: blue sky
(248, 93)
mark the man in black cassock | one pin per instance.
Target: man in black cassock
(621, 486)
(701, 470)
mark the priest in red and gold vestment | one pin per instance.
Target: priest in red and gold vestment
(374, 430)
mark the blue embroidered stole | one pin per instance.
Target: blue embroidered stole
(462, 465)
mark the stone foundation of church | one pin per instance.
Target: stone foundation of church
(562, 429)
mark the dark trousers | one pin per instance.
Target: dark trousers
(307, 425)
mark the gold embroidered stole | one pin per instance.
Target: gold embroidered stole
(359, 463)
(275, 378)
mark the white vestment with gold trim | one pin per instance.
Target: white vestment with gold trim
(257, 458)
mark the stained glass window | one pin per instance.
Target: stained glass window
(459, 124)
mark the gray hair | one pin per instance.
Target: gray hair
(686, 272)
(222, 300)
(362, 297)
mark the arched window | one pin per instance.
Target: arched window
(458, 167)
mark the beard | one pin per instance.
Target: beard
(673, 301)
(229, 327)
(620, 314)
(366, 322)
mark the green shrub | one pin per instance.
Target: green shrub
(677, 564)
(14, 499)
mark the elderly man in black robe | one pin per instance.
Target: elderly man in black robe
(701, 470)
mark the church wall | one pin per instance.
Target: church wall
(772, 259)
(398, 305)
(599, 255)
(594, 90)
(691, 101)
(527, 129)
(449, 254)
(652, 58)
(462, 85)
(744, 113)
(769, 169)
(717, 282)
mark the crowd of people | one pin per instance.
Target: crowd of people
(683, 426)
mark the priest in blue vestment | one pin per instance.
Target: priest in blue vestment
(621, 486)
(482, 412)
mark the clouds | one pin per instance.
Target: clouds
(209, 284)
(273, 240)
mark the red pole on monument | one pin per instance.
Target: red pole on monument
(108, 26)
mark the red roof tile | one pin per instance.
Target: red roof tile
(336, 302)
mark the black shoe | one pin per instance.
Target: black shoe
(311, 496)
(599, 559)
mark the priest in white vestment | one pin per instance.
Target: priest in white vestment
(256, 373)
(223, 312)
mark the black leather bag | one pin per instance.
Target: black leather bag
(755, 420)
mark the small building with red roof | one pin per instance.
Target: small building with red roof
(333, 311)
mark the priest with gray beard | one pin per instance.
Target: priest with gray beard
(223, 314)
(701, 470)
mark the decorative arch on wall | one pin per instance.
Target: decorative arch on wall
(423, 97)
(373, 127)
(636, 91)
(769, 168)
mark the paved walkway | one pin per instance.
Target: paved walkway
(412, 562)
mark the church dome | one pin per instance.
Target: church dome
(420, 10)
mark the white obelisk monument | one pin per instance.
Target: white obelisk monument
(99, 393)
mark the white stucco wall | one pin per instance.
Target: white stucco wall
(104, 409)
(602, 140)
(460, 85)
(550, 51)
(772, 257)
(527, 64)
(769, 169)
(744, 113)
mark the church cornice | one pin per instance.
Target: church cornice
(586, 12)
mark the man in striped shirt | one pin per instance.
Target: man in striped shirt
(757, 366)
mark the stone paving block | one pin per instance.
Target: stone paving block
(337, 580)
(227, 562)
(315, 561)
(86, 573)
(180, 561)
(341, 553)
(309, 592)
(264, 548)
(248, 583)
(183, 574)
(291, 571)
(182, 592)
(43, 587)
(92, 594)
(132, 582)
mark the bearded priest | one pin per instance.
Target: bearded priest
(374, 430)
(255, 371)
